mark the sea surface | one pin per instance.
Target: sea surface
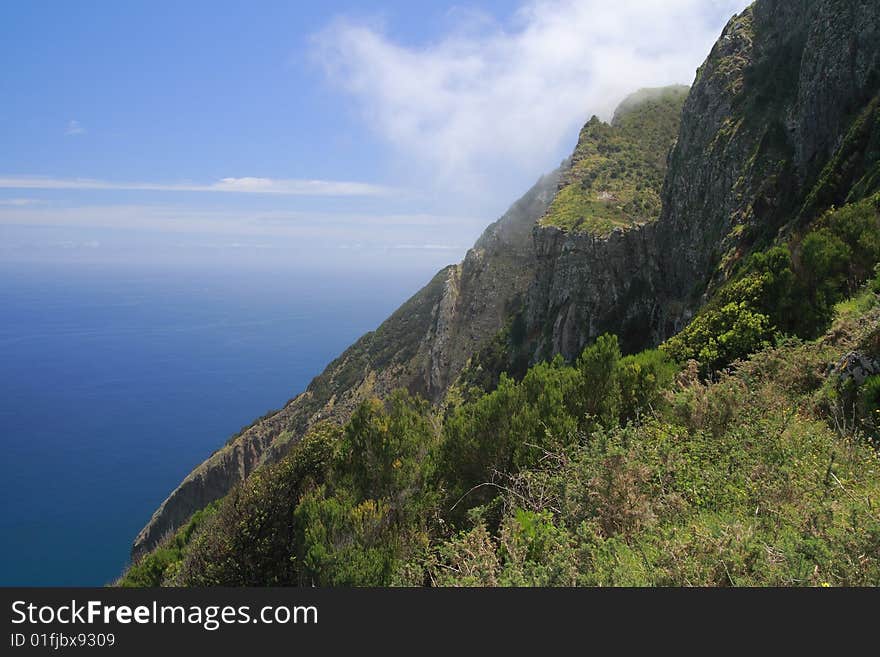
(115, 380)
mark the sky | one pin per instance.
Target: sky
(326, 133)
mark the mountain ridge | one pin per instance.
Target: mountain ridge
(735, 175)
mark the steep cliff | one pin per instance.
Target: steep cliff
(421, 347)
(766, 140)
(781, 123)
(596, 246)
(770, 107)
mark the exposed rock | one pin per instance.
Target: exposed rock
(855, 367)
(588, 285)
(769, 107)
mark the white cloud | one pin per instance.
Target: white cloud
(20, 202)
(246, 185)
(74, 128)
(487, 100)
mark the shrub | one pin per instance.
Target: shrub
(643, 377)
(345, 542)
(776, 295)
(251, 539)
(374, 512)
(385, 452)
(599, 366)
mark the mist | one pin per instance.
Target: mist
(481, 111)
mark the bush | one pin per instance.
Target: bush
(373, 514)
(386, 448)
(343, 542)
(251, 540)
(599, 366)
(643, 377)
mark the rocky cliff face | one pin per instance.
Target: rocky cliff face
(770, 108)
(767, 126)
(588, 285)
(596, 247)
(422, 347)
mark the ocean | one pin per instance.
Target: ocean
(117, 379)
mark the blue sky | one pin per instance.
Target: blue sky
(157, 130)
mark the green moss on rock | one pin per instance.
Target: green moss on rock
(617, 169)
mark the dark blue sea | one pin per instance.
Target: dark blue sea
(116, 380)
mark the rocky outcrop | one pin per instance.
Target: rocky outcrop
(421, 347)
(839, 74)
(769, 108)
(590, 281)
(588, 285)
(855, 367)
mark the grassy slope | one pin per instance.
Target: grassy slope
(757, 479)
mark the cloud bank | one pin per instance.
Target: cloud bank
(488, 100)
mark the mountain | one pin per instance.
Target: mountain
(422, 347)
(772, 106)
(703, 219)
(596, 252)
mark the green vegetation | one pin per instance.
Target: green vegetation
(611, 471)
(505, 353)
(618, 169)
(163, 562)
(786, 290)
(729, 70)
(253, 522)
